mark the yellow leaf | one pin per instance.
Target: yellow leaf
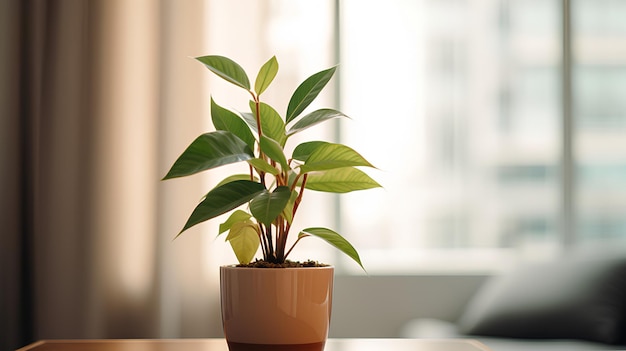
(244, 239)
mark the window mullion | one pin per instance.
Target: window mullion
(568, 179)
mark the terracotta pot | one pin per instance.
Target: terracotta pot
(276, 308)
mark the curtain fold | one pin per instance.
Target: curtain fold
(122, 297)
(96, 98)
(13, 239)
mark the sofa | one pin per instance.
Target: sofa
(577, 302)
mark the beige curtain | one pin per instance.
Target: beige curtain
(97, 98)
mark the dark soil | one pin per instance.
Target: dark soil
(286, 264)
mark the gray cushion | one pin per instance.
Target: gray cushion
(578, 297)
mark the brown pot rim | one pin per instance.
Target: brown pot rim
(234, 266)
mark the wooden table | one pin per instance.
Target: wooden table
(220, 345)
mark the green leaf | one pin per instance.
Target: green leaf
(266, 75)
(307, 92)
(340, 180)
(223, 199)
(235, 217)
(262, 165)
(304, 150)
(267, 206)
(291, 178)
(208, 151)
(272, 124)
(335, 240)
(224, 119)
(250, 120)
(226, 69)
(330, 156)
(314, 118)
(244, 239)
(288, 211)
(274, 151)
(234, 177)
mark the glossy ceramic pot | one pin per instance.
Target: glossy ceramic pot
(276, 308)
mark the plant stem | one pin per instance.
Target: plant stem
(287, 226)
(283, 242)
(280, 235)
(263, 244)
(299, 198)
(294, 245)
(270, 241)
(257, 106)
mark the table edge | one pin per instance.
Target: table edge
(479, 345)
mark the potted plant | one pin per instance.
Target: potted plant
(260, 305)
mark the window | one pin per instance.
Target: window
(471, 94)
(599, 94)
